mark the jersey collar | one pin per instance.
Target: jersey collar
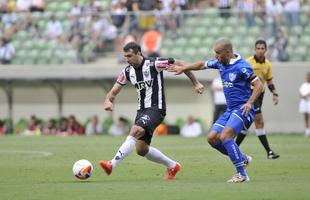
(258, 61)
(234, 60)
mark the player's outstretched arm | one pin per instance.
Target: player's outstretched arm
(179, 69)
(257, 90)
(110, 97)
(275, 95)
(198, 86)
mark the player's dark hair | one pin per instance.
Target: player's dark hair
(261, 42)
(133, 46)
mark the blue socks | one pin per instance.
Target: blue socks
(235, 155)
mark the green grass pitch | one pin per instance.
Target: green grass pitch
(40, 168)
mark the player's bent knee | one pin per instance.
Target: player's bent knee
(136, 131)
(142, 151)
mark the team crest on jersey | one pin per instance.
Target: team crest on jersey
(232, 77)
(146, 73)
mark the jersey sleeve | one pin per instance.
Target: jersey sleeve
(247, 72)
(163, 63)
(214, 64)
(121, 79)
(269, 73)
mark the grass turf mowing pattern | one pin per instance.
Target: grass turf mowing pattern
(27, 174)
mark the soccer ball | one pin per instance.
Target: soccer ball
(82, 169)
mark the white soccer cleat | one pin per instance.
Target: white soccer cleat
(238, 178)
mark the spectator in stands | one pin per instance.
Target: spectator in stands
(304, 104)
(174, 17)
(35, 32)
(151, 43)
(94, 127)
(224, 8)
(37, 6)
(191, 128)
(7, 51)
(248, 10)
(292, 12)
(102, 31)
(161, 17)
(273, 12)
(33, 127)
(3, 129)
(118, 13)
(219, 100)
(76, 10)
(277, 50)
(133, 8)
(23, 5)
(3, 6)
(54, 28)
(89, 9)
(50, 128)
(8, 19)
(119, 128)
(74, 127)
(63, 129)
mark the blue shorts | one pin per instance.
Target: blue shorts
(234, 119)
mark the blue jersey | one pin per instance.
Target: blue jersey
(236, 78)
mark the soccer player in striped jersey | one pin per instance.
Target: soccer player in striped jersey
(237, 77)
(262, 69)
(146, 74)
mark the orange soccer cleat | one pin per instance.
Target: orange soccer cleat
(173, 171)
(106, 166)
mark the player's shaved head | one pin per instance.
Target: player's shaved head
(224, 43)
(223, 50)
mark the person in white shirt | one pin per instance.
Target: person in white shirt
(218, 98)
(54, 28)
(191, 128)
(7, 51)
(94, 127)
(304, 104)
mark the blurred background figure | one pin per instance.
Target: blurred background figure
(94, 127)
(191, 128)
(33, 127)
(219, 100)
(119, 128)
(162, 129)
(7, 51)
(151, 43)
(304, 105)
(74, 127)
(3, 129)
(50, 128)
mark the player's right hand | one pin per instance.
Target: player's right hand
(176, 69)
(108, 105)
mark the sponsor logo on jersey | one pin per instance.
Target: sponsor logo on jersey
(121, 78)
(227, 84)
(161, 63)
(146, 73)
(232, 77)
(144, 84)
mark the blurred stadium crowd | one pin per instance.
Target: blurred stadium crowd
(78, 31)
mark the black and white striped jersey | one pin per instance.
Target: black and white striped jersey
(148, 81)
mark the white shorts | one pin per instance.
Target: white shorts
(304, 106)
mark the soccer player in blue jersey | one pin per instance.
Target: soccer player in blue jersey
(237, 77)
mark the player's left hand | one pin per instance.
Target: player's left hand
(176, 69)
(246, 108)
(275, 99)
(199, 88)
